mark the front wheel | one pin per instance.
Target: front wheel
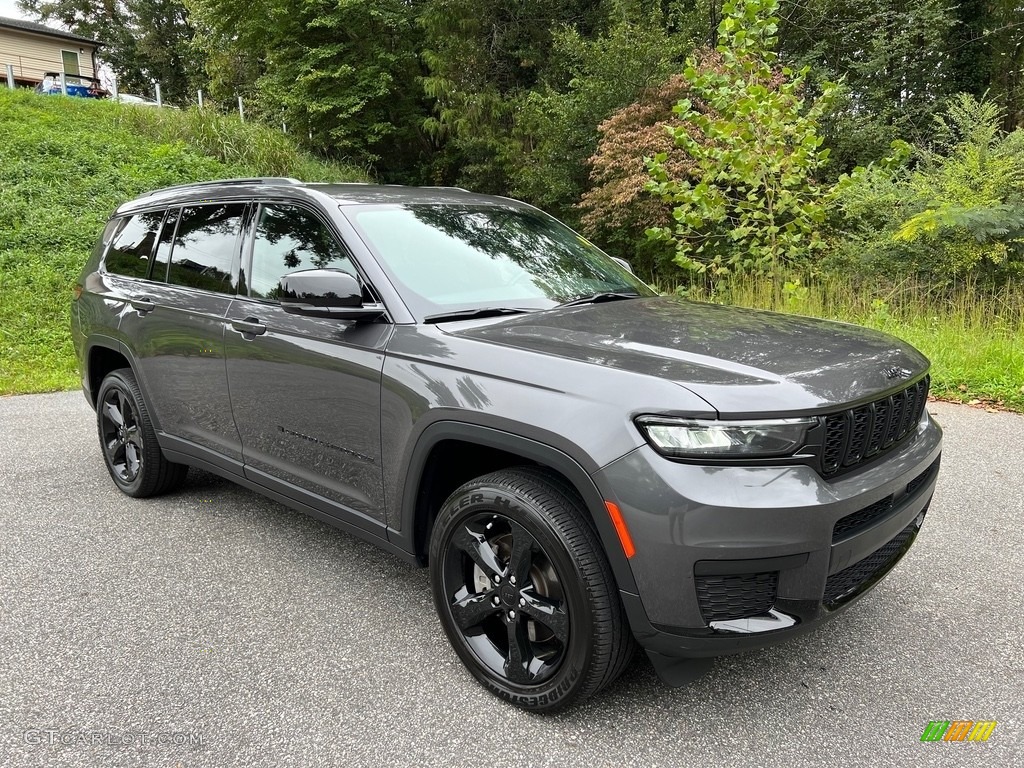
(128, 439)
(524, 591)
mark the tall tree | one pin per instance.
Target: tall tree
(556, 123)
(747, 202)
(342, 72)
(146, 41)
(482, 57)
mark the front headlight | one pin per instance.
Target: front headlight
(698, 438)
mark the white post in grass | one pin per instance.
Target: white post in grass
(284, 128)
(63, 80)
(159, 96)
(241, 109)
(113, 87)
(10, 76)
(200, 98)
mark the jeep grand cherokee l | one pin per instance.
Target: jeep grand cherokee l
(582, 464)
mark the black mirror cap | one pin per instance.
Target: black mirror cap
(321, 288)
(331, 293)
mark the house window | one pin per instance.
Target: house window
(70, 62)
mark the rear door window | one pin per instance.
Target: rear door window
(206, 246)
(132, 247)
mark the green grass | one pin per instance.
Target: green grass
(65, 164)
(974, 338)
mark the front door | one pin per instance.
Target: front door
(305, 392)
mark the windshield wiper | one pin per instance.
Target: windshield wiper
(596, 298)
(467, 314)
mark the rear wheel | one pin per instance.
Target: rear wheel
(128, 440)
(524, 591)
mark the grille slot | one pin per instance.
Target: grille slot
(856, 435)
(861, 519)
(723, 598)
(921, 479)
(849, 582)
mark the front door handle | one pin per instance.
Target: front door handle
(142, 304)
(251, 326)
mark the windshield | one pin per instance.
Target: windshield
(445, 258)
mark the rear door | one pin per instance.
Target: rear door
(175, 324)
(305, 391)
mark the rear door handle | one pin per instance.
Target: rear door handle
(251, 326)
(142, 304)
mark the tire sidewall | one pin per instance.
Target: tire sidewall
(573, 673)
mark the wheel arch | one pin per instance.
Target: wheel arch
(103, 355)
(450, 453)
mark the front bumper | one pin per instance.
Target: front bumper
(733, 558)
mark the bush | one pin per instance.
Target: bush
(947, 212)
(748, 201)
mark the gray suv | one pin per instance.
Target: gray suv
(582, 464)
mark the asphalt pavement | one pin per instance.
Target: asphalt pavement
(213, 627)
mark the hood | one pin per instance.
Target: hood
(741, 361)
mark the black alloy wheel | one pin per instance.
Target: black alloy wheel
(524, 591)
(128, 439)
(506, 598)
(120, 435)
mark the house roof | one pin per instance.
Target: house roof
(39, 29)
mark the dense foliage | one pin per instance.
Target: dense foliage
(760, 164)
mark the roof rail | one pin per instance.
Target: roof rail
(219, 182)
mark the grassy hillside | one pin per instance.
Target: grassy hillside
(65, 164)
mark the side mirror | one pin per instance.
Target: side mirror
(624, 264)
(326, 293)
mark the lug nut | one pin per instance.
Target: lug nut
(511, 614)
(522, 601)
(512, 578)
(495, 600)
(497, 579)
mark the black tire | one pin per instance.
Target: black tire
(524, 591)
(128, 440)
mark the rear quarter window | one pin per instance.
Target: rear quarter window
(131, 249)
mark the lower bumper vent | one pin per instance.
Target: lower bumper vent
(723, 598)
(850, 582)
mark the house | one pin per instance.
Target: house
(33, 50)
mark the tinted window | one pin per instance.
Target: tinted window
(163, 246)
(205, 246)
(288, 239)
(133, 245)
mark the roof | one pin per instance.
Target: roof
(39, 29)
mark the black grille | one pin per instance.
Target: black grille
(921, 479)
(861, 519)
(723, 598)
(846, 584)
(854, 436)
